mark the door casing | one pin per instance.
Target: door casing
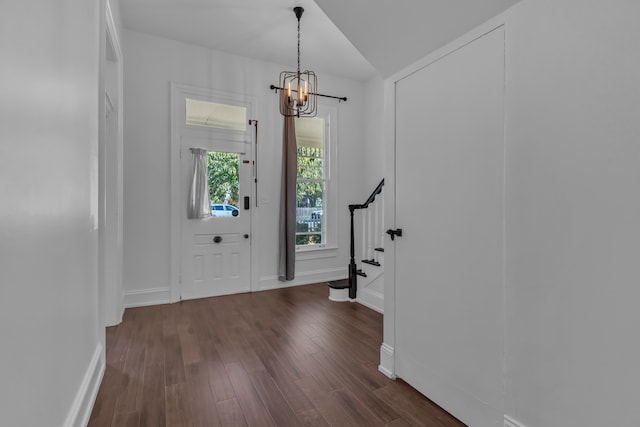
(388, 351)
(180, 131)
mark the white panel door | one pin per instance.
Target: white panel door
(449, 203)
(216, 251)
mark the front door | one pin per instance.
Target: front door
(216, 250)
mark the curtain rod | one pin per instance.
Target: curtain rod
(339, 98)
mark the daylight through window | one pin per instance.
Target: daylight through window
(212, 114)
(311, 189)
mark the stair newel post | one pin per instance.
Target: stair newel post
(353, 283)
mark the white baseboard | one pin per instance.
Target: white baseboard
(456, 400)
(86, 396)
(510, 422)
(303, 278)
(372, 299)
(373, 274)
(387, 361)
(144, 297)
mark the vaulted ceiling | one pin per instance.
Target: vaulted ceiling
(261, 29)
(395, 34)
(337, 35)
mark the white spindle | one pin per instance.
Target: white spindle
(376, 227)
(368, 236)
(364, 233)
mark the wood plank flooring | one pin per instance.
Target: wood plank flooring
(288, 357)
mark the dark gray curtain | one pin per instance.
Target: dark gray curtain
(287, 260)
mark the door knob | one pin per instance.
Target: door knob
(217, 239)
(246, 236)
(394, 233)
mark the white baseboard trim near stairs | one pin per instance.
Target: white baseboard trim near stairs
(144, 297)
(86, 396)
(510, 422)
(303, 278)
(387, 361)
(372, 299)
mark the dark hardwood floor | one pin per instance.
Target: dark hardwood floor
(288, 357)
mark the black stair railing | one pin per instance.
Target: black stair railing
(353, 268)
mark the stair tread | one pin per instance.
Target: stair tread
(361, 273)
(379, 249)
(339, 284)
(371, 262)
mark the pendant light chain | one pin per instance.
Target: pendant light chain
(298, 47)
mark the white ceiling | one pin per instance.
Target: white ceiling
(391, 34)
(261, 29)
(394, 34)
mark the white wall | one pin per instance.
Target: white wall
(573, 213)
(150, 64)
(374, 132)
(51, 353)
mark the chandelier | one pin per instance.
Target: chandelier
(301, 86)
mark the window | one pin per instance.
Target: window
(312, 189)
(212, 114)
(224, 183)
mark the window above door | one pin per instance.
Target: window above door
(215, 115)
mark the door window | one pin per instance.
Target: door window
(224, 183)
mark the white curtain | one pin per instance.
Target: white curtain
(199, 204)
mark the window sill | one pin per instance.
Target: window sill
(315, 252)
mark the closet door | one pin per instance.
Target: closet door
(449, 203)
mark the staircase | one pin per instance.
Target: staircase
(365, 282)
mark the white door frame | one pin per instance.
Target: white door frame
(178, 130)
(387, 350)
(110, 191)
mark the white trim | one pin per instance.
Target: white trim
(328, 112)
(144, 297)
(111, 27)
(510, 422)
(371, 299)
(387, 358)
(461, 403)
(108, 103)
(303, 278)
(389, 139)
(86, 396)
(374, 273)
(111, 295)
(387, 361)
(317, 253)
(178, 131)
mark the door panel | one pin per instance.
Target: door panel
(449, 203)
(218, 268)
(216, 250)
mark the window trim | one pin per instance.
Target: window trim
(330, 115)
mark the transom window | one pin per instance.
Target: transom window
(212, 114)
